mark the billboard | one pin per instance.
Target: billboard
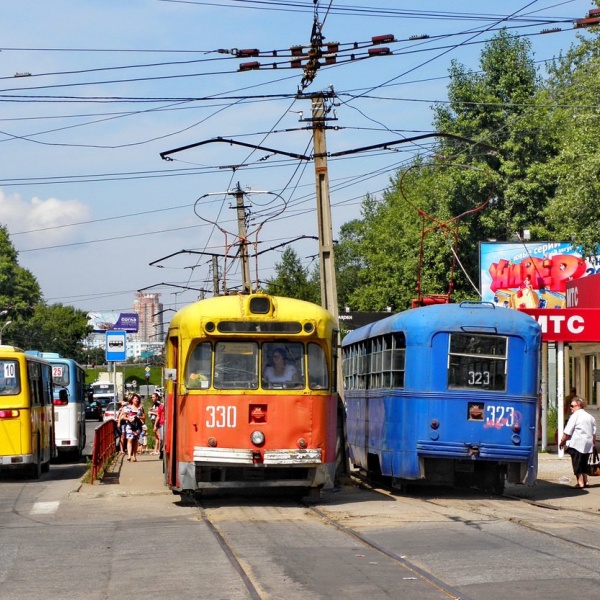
(102, 322)
(531, 274)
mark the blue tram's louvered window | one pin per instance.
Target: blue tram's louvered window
(398, 356)
(386, 361)
(477, 362)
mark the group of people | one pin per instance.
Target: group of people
(579, 437)
(133, 431)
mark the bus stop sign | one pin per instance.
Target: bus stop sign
(116, 346)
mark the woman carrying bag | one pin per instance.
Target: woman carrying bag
(580, 439)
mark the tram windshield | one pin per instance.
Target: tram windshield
(246, 365)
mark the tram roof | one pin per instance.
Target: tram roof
(466, 317)
(236, 306)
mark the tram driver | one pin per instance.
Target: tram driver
(279, 373)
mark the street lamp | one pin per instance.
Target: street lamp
(3, 328)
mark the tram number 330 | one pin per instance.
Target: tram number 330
(221, 416)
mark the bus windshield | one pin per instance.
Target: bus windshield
(9, 378)
(60, 375)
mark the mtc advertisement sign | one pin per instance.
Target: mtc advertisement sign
(531, 274)
(568, 324)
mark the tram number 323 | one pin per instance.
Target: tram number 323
(221, 416)
(499, 416)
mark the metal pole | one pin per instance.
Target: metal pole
(560, 392)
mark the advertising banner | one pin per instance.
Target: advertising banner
(568, 325)
(531, 274)
(102, 322)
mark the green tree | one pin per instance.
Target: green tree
(500, 105)
(292, 279)
(19, 289)
(54, 328)
(574, 88)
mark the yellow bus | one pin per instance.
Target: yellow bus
(26, 414)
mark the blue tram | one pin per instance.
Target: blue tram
(446, 394)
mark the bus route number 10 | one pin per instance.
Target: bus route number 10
(221, 416)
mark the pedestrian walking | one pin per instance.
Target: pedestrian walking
(135, 418)
(579, 439)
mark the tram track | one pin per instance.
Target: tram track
(243, 573)
(477, 505)
(409, 571)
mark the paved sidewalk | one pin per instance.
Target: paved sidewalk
(141, 478)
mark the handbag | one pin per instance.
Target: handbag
(594, 464)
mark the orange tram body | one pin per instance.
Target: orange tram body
(250, 395)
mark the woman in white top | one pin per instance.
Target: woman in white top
(280, 371)
(580, 438)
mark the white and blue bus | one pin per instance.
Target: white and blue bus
(68, 378)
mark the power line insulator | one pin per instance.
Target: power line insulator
(248, 52)
(383, 39)
(249, 66)
(379, 51)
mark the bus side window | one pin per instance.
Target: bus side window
(317, 368)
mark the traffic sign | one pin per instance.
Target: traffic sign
(116, 346)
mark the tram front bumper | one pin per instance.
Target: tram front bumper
(235, 456)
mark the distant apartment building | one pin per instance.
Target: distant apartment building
(149, 309)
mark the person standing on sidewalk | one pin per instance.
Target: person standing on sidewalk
(580, 438)
(153, 413)
(159, 429)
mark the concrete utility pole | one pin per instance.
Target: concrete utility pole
(326, 255)
(243, 235)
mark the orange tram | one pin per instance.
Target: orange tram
(250, 395)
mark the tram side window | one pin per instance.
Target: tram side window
(398, 358)
(477, 362)
(10, 384)
(236, 366)
(198, 367)
(317, 368)
(387, 362)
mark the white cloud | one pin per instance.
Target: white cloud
(31, 221)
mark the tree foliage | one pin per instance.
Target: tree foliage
(35, 325)
(544, 176)
(292, 279)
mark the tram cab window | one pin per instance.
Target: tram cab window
(9, 378)
(236, 366)
(477, 362)
(317, 368)
(283, 365)
(198, 367)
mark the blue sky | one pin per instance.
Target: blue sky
(93, 91)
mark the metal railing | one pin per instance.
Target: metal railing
(105, 446)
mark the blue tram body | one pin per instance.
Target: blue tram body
(447, 394)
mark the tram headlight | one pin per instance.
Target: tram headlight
(257, 438)
(302, 443)
(212, 442)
